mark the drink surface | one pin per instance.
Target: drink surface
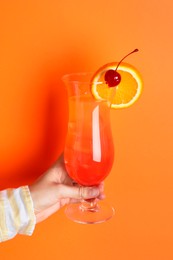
(89, 150)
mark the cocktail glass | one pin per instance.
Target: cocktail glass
(89, 150)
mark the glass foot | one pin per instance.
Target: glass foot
(89, 212)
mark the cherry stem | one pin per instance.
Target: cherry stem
(125, 57)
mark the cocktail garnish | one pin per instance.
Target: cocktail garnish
(112, 77)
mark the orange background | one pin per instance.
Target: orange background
(39, 42)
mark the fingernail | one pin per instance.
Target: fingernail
(102, 196)
(93, 192)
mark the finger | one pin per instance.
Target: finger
(80, 192)
(102, 194)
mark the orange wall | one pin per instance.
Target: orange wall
(39, 42)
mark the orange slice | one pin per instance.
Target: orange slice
(123, 95)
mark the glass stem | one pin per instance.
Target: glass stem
(89, 205)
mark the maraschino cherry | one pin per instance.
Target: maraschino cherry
(112, 77)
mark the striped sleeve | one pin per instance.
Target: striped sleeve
(16, 213)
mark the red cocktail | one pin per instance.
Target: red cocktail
(89, 150)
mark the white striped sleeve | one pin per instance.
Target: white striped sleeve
(16, 213)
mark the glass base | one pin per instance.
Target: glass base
(89, 212)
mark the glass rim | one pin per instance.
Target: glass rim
(77, 77)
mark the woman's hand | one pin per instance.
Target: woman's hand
(55, 188)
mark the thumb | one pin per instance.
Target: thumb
(78, 192)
